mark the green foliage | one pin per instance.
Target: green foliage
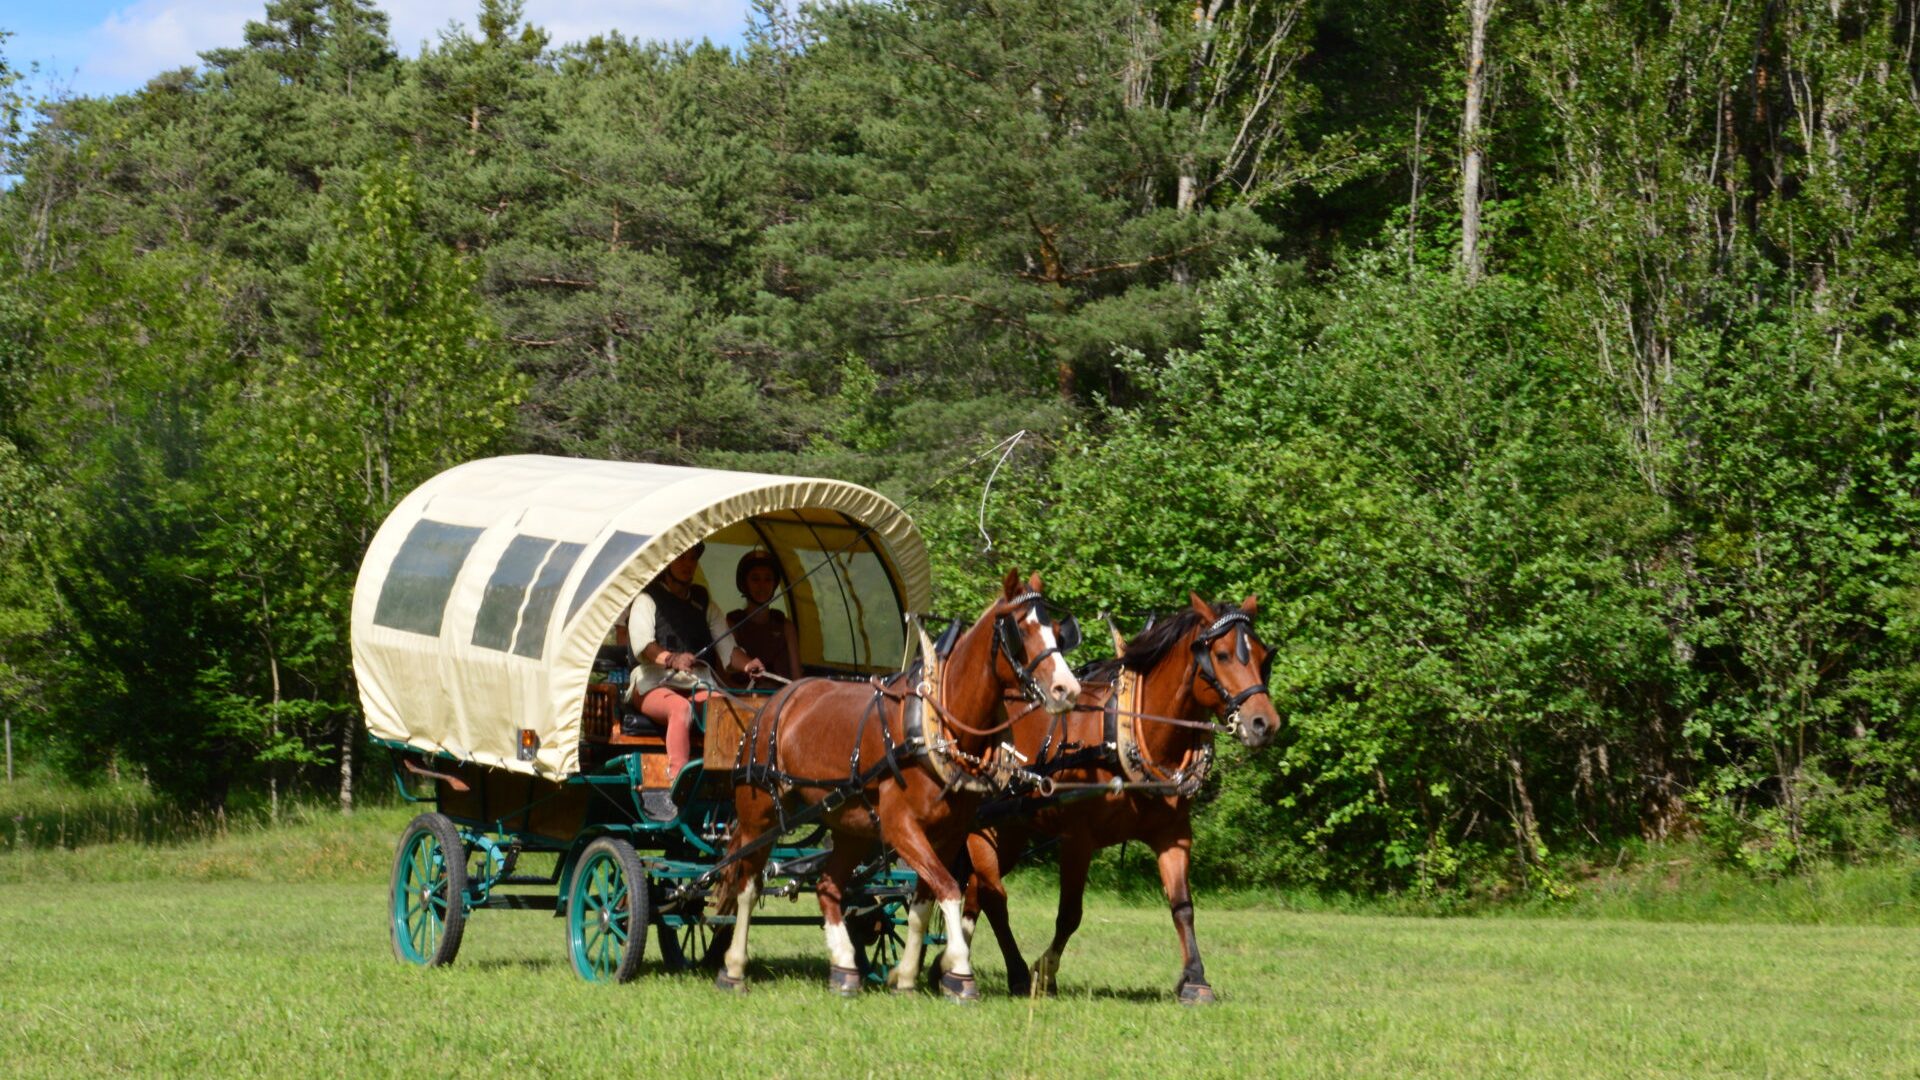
(1616, 543)
(399, 383)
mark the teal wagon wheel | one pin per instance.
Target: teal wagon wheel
(879, 937)
(877, 942)
(429, 893)
(695, 943)
(607, 912)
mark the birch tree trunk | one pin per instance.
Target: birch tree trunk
(349, 733)
(1473, 154)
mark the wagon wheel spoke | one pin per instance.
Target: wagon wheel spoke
(603, 909)
(427, 892)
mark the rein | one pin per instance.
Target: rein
(1214, 726)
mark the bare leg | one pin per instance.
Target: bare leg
(671, 708)
(1173, 853)
(1076, 854)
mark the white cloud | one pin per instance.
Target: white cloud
(643, 20)
(137, 42)
(577, 20)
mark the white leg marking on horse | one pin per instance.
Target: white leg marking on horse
(839, 945)
(907, 972)
(742, 914)
(966, 927)
(958, 958)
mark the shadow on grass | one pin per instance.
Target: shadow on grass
(1138, 995)
(524, 963)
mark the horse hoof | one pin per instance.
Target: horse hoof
(1018, 987)
(902, 991)
(844, 981)
(1191, 993)
(959, 987)
(727, 984)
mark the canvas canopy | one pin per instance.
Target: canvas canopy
(486, 595)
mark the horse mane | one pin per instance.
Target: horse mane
(1149, 646)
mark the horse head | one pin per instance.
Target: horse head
(1030, 644)
(1230, 669)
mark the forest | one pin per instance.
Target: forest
(1547, 368)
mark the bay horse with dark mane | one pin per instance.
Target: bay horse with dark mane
(1145, 722)
(906, 760)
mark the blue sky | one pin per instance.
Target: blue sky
(110, 46)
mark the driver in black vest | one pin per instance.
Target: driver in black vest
(672, 628)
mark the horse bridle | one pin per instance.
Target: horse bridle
(1240, 624)
(1006, 635)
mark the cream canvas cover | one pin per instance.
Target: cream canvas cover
(487, 593)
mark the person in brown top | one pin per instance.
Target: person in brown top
(762, 629)
(673, 628)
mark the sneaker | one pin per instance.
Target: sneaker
(658, 803)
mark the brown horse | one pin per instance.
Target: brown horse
(907, 761)
(1144, 721)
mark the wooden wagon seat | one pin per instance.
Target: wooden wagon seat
(726, 721)
(601, 721)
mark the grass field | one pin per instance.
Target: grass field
(262, 951)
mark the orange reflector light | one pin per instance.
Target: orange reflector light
(529, 743)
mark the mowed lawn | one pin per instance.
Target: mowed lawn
(248, 978)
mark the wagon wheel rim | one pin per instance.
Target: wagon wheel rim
(607, 912)
(880, 939)
(686, 946)
(421, 897)
(600, 918)
(883, 954)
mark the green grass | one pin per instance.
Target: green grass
(244, 978)
(249, 949)
(40, 813)
(311, 843)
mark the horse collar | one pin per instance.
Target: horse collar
(1123, 719)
